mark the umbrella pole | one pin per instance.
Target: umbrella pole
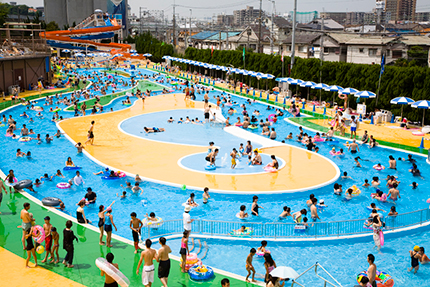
(424, 113)
(308, 94)
(401, 114)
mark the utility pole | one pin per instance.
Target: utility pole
(321, 51)
(227, 44)
(293, 38)
(189, 34)
(259, 27)
(271, 32)
(174, 26)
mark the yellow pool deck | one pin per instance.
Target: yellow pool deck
(159, 160)
(386, 132)
(13, 273)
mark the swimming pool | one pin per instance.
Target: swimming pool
(48, 158)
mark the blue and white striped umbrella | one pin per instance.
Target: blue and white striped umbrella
(147, 55)
(66, 51)
(283, 80)
(118, 55)
(257, 74)
(79, 55)
(133, 51)
(424, 104)
(349, 91)
(319, 86)
(166, 57)
(295, 82)
(307, 84)
(135, 54)
(402, 101)
(334, 88)
(267, 76)
(365, 95)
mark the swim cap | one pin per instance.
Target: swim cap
(416, 248)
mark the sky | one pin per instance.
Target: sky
(227, 6)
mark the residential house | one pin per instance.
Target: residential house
(335, 47)
(399, 47)
(304, 45)
(249, 38)
(367, 49)
(281, 27)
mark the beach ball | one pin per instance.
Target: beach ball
(184, 187)
(40, 249)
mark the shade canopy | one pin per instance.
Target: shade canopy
(365, 94)
(402, 101)
(284, 272)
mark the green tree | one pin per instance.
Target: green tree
(419, 55)
(36, 19)
(52, 26)
(4, 11)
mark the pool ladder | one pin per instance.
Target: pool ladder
(316, 265)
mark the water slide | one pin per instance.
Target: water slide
(81, 36)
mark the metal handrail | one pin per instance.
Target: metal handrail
(316, 265)
(288, 230)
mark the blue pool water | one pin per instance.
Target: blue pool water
(166, 201)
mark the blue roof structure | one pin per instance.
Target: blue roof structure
(223, 36)
(203, 35)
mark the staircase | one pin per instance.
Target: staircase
(90, 21)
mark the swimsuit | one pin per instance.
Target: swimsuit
(26, 226)
(164, 268)
(48, 242)
(255, 210)
(108, 225)
(414, 261)
(183, 250)
(101, 222)
(148, 274)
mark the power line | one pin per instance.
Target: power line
(218, 7)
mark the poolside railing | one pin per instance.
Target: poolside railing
(289, 230)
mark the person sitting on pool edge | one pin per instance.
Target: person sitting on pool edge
(153, 130)
(257, 158)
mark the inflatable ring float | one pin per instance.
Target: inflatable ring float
(38, 234)
(112, 271)
(377, 167)
(153, 224)
(355, 190)
(210, 167)
(63, 185)
(25, 139)
(382, 279)
(72, 167)
(26, 183)
(201, 273)
(248, 232)
(51, 201)
(191, 261)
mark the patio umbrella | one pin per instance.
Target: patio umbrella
(334, 88)
(66, 51)
(349, 91)
(267, 77)
(295, 82)
(402, 101)
(284, 272)
(365, 95)
(308, 85)
(424, 104)
(133, 51)
(319, 86)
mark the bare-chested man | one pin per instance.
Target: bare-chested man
(257, 158)
(148, 268)
(164, 262)
(371, 271)
(109, 281)
(394, 193)
(26, 222)
(353, 147)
